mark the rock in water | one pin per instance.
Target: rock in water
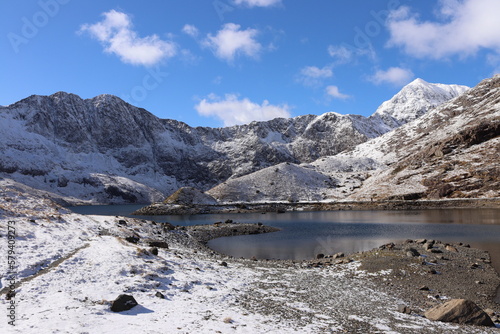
(123, 303)
(460, 311)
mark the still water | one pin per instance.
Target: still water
(305, 234)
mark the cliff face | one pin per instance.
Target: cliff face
(105, 150)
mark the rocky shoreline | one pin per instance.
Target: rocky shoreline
(179, 209)
(424, 273)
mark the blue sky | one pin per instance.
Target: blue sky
(223, 62)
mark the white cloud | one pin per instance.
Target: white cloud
(232, 110)
(116, 35)
(340, 53)
(257, 3)
(463, 28)
(334, 92)
(231, 41)
(396, 76)
(190, 30)
(313, 76)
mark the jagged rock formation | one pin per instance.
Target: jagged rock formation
(104, 150)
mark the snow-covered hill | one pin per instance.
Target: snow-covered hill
(104, 150)
(453, 151)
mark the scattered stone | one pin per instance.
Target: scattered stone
(478, 282)
(390, 245)
(223, 263)
(451, 248)
(160, 295)
(132, 239)
(154, 251)
(168, 227)
(460, 311)
(10, 294)
(474, 266)
(421, 241)
(320, 256)
(338, 255)
(122, 222)
(412, 252)
(424, 288)
(158, 244)
(408, 241)
(123, 303)
(404, 309)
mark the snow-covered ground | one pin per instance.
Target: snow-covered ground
(70, 267)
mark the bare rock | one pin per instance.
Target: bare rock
(460, 311)
(123, 303)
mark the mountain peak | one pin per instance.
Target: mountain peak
(418, 81)
(414, 100)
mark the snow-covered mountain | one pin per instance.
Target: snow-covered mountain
(453, 151)
(104, 150)
(413, 101)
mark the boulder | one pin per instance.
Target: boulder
(411, 252)
(123, 303)
(460, 311)
(158, 244)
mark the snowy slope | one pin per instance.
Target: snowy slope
(103, 150)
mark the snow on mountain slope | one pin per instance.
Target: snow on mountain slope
(103, 150)
(413, 101)
(283, 182)
(452, 151)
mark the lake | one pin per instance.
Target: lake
(305, 234)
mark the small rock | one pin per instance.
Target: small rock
(158, 244)
(223, 263)
(421, 241)
(424, 288)
(160, 295)
(404, 309)
(474, 266)
(460, 311)
(122, 222)
(253, 258)
(451, 248)
(338, 255)
(123, 303)
(412, 252)
(132, 239)
(436, 251)
(479, 282)
(320, 256)
(432, 271)
(154, 251)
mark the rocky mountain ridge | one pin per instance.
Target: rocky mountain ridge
(104, 150)
(453, 151)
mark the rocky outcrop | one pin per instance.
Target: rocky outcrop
(460, 311)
